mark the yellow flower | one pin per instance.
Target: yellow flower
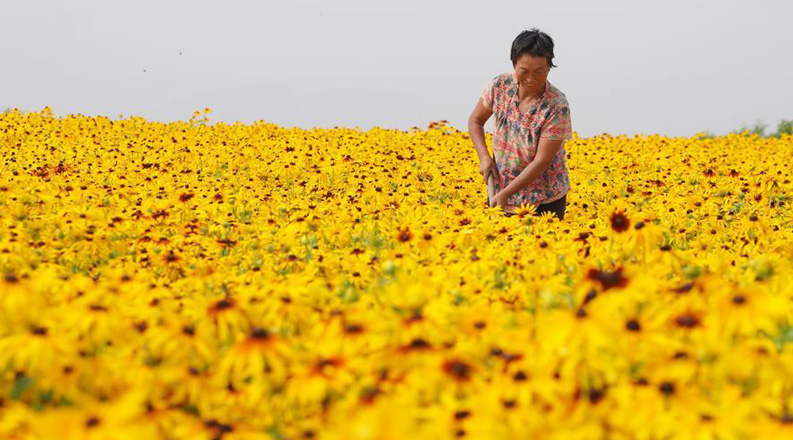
(189, 280)
(119, 418)
(525, 210)
(744, 310)
(260, 356)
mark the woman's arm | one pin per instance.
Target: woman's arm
(476, 129)
(546, 151)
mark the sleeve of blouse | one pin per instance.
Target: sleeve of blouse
(489, 94)
(558, 125)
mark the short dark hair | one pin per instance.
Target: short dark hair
(532, 42)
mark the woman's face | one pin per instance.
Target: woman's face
(531, 72)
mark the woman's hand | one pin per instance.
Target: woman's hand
(487, 167)
(500, 199)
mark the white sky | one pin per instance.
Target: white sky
(671, 67)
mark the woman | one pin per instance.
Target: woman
(532, 121)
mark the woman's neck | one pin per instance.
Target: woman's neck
(531, 94)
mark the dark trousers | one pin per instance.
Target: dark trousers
(557, 207)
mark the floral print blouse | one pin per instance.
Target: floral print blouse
(517, 135)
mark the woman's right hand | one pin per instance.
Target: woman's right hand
(487, 167)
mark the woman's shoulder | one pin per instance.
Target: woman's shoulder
(501, 80)
(557, 97)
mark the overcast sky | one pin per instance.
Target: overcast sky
(671, 67)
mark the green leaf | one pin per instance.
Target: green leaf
(21, 384)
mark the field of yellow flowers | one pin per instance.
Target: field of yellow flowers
(196, 280)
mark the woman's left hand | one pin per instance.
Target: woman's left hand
(500, 199)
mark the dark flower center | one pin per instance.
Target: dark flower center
(620, 222)
(458, 369)
(608, 279)
(260, 333)
(687, 321)
(633, 325)
(667, 388)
